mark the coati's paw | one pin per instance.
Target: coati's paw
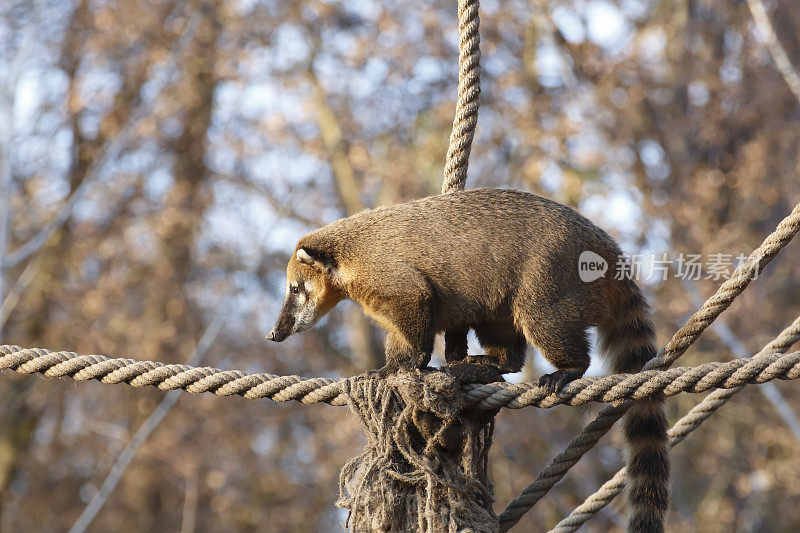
(469, 372)
(557, 380)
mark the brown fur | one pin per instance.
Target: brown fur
(504, 263)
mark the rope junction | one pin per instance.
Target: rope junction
(691, 421)
(425, 463)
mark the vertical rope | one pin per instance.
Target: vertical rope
(469, 90)
(423, 468)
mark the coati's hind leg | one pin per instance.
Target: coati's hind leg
(455, 345)
(503, 344)
(565, 345)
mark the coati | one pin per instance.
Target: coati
(506, 264)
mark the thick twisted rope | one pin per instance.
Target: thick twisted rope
(195, 380)
(624, 387)
(691, 421)
(679, 343)
(469, 90)
(619, 387)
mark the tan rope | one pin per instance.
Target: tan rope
(679, 343)
(171, 377)
(609, 389)
(469, 90)
(691, 421)
(424, 463)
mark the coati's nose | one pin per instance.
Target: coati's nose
(271, 335)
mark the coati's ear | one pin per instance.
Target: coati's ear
(314, 259)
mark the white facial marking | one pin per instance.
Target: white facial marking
(304, 317)
(305, 311)
(309, 286)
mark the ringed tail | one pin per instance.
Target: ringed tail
(628, 341)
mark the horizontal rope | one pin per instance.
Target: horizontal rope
(166, 377)
(611, 389)
(758, 369)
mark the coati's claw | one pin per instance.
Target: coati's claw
(385, 371)
(393, 368)
(557, 380)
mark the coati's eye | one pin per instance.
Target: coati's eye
(296, 290)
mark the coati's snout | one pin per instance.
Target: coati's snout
(309, 296)
(283, 327)
(298, 313)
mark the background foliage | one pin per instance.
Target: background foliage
(195, 163)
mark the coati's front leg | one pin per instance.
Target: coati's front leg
(405, 354)
(409, 321)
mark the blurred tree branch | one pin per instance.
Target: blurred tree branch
(779, 55)
(146, 428)
(362, 335)
(343, 173)
(86, 170)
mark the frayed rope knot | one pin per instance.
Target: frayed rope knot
(424, 465)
